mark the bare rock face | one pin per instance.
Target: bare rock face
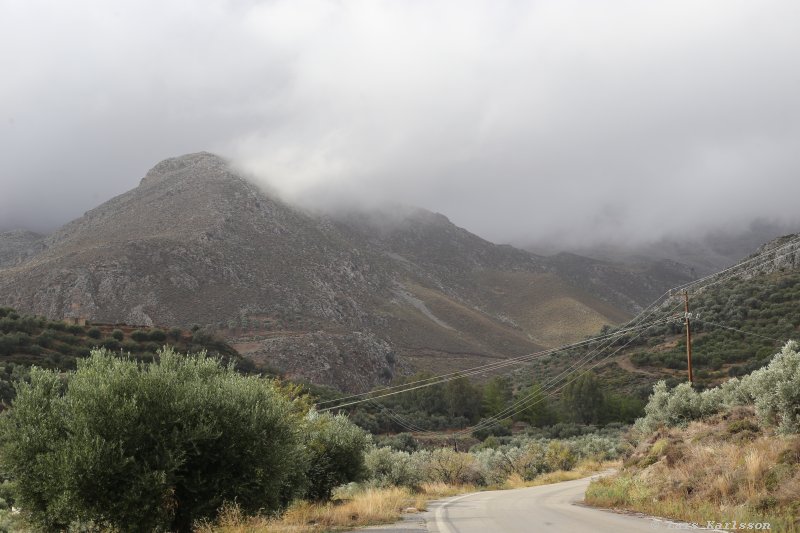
(348, 361)
(17, 245)
(782, 253)
(348, 301)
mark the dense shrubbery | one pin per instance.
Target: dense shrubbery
(774, 391)
(487, 464)
(139, 447)
(460, 403)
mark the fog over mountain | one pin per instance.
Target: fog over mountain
(563, 122)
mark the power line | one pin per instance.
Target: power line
(435, 380)
(525, 402)
(456, 375)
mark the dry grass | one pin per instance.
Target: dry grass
(708, 472)
(369, 506)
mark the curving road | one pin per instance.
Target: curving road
(547, 508)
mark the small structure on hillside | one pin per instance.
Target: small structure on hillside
(75, 320)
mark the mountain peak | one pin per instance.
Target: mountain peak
(183, 164)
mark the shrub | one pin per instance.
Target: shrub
(45, 338)
(336, 449)
(111, 344)
(402, 441)
(130, 346)
(493, 465)
(559, 456)
(139, 335)
(54, 324)
(75, 329)
(118, 334)
(141, 447)
(175, 334)
(94, 333)
(452, 467)
(774, 390)
(157, 335)
(387, 467)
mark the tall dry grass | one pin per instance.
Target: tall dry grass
(709, 472)
(370, 506)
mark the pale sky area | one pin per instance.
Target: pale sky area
(579, 121)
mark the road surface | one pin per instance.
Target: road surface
(547, 508)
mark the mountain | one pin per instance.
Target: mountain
(347, 300)
(697, 255)
(629, 284)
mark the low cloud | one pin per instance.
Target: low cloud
(522, 121)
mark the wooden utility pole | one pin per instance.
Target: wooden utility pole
(688, 334)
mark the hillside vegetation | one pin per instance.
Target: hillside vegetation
(737, 325)
(730, 453)
(27, 340)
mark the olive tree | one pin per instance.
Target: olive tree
(142, 447)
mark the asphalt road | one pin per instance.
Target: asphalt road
(547, 508)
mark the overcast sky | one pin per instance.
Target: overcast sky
(578, 120)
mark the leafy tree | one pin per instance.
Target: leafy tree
(497, 395)
(583, 399)
(139, 447)
(537, 411)
(463, 399)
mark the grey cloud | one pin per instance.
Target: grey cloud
(522, 121)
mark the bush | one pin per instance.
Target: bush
(140, 335)
(387, 467)
(75, 329)
(45, 338)
(336, 450)
(94, 333)
(404, 442)
(559, 456)
(157, 335)
(141, 447)
(118, 334)
(774, 390)
(452, 467)
(111, 344)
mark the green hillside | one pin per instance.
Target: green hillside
(737, 325)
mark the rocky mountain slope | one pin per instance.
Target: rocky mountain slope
(18, 245)
(347, 300)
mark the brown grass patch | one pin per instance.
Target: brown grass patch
(708, 472)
